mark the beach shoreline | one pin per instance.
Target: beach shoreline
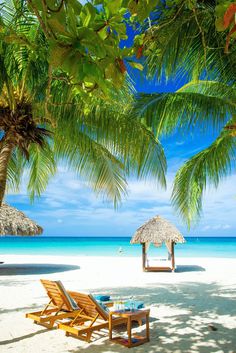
(202, 292)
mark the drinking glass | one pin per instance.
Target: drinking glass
(131, 303)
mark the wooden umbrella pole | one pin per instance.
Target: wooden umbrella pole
(173, 255)
(144, 255)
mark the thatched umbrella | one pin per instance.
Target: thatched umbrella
(158, 231)
(14, 222)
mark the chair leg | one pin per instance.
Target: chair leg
(89, 334)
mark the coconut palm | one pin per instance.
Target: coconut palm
(46, 118)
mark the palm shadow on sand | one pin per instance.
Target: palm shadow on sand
(34, 269)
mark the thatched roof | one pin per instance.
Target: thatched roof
(157, 230)
(14, 222)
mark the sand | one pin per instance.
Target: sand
(184, 305)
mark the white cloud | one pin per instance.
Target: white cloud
(226, 226)
(217, 227)
(206, 228)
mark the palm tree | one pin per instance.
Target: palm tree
(186, 45)
(46, 118)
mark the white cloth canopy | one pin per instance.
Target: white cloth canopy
(168, 245)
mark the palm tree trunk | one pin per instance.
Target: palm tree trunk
(7, 146)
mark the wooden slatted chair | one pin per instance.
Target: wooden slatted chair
(92, 317)
(60, 305)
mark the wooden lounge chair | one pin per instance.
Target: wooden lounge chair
(60, 305)
(92, 317)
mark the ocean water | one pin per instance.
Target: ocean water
(117, 246)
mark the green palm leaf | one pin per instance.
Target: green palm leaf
(99, 168)
(209, 166)
(166, 112)
(115, 128)
(41, 167)
(15, 172)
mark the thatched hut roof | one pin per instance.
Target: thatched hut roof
(14, 222)
(157, 230)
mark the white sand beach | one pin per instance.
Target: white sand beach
(183, 304)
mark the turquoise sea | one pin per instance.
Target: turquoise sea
(113, 246)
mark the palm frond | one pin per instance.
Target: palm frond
(100, 169)
(15, 171)
(40, 168)
(167, 112)
(208, 166)
(114, 127)
(123, 136)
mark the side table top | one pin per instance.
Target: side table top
(126, 314)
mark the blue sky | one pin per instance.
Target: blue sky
(69, 207)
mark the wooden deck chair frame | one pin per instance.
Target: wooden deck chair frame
(91, 313)
(60, 305)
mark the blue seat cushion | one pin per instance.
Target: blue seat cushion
(102, 298)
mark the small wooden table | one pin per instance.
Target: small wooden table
(132, 340)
